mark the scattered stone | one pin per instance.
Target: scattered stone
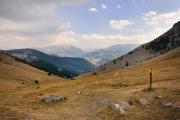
(167, 104)
(53, 98)
(28, 118)
(158, 97)
(78, 92)
(122, 107)
(142, 101)
(177, 107)
(174, 89)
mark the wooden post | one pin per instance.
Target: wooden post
(150, 79)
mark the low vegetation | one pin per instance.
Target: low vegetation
(49, 68)
(92, 97)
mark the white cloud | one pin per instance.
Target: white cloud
(28, 10)
(104, 6)
(150, 27)
(119, 6)
(92, 10)
(30, 23)
(119, 24)
(36, 24)
(94, 41)
(158, 23)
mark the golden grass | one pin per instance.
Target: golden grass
(21, 97)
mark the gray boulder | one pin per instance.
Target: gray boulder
(167, 104)
(122, 107)
(142, 101)
(28, 118)
(53, 98)
(177, 108)
(158, 97)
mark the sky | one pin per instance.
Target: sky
(87, 24)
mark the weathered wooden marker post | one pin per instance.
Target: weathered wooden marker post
(150, 87)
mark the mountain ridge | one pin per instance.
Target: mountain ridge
(68, 67)
(62, 50)
(102, 56)
(162, 44)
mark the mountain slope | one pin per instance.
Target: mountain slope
(162, 66)
(162, 44)
(14, 71)
(22, 99)
(63, 66)
(63, 51)
(99, 57)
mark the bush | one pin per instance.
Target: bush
(131, 52)
(103, 68)
(114, 61)
(49, 74)
(94, 73)
(127, 64)
(119, 85)
(36, 81)
(72, 78)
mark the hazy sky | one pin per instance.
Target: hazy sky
(88, 24)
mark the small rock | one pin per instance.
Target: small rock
(53, 98)
(167, 104)
(158, 97)
(142, 101)
(78, 92)
(177, 107)
(122, 107)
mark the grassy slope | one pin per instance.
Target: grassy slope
(19, 97)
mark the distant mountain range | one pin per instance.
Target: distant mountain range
(102, 56)
(63, 51)
(62, 59)
(97, 57)
(164, 43)
(62, 66)
(120, 56)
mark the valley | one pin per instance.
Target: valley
(90, 97)
(89, 59)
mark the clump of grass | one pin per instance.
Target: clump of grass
(119, 85)
(94, 73)
(150, 90)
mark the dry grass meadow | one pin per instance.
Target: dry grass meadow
(21, 98)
